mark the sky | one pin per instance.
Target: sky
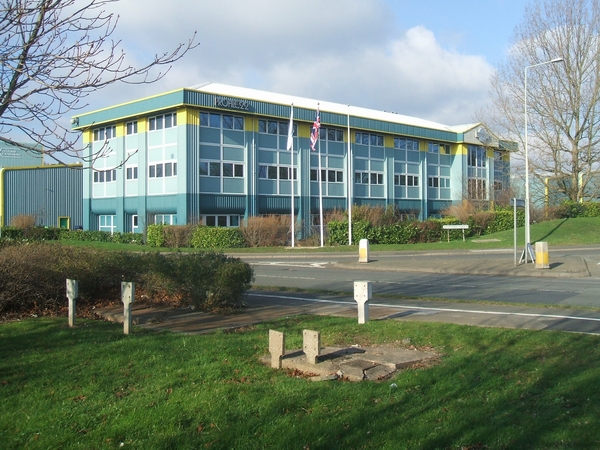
(431, 59)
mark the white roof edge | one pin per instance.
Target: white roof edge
(302, 102)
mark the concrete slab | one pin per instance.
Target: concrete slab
(354, 363)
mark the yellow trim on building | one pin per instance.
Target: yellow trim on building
(120, 129)
(462, 149)
(187, 116)
(142, 125)
(388, 141)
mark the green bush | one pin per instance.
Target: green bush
(217, 237)
(32, 277)
(155, 235)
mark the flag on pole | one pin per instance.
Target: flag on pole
(314, 134)
(290, 141)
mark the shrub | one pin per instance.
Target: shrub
(178, 236)
(267, 231)
(32, 277)
(217, 237)
(23, 221)
(155, 235)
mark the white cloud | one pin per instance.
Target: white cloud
(346, 51)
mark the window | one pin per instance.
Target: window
(164, 121)
(221, 220)
(441, 149)
(106, 133)
(131, 128)
(369, 139)
(406, 180)
(443, 182)
(331, 134)
(226, 121)
(134, 223)
(406, 144)
(372, 178)
(227, 169)
(105, 176)
(166, 219)
(106, 223)
(331, 176)
(160, 170)
(131, 172)
(274, 127)
(276, 172)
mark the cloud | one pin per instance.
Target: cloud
(346, 51)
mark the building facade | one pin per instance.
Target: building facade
(51, 194)
(219, 154)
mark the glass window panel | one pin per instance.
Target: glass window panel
(152, 171)
(284, 173)
(168, 169)
(313, 175)
(203, 168)
(357, 177)
(238, 123)
(272, 127)
(215, 169)
(262, 126)
(365, 178)
(210, 221)
(222, 221)
(101, 176)
(262, 171)
(238, 170)
(159, 122)
(203, 119)
(168, 121)
(272, 172)
(152, 124)
(340, 176)
(227, 169)
(228, 122)
(96, 178)
(234, 221)
(159, 171)
(331, 176)
(283, 128)
(174, 168)
(215, 120)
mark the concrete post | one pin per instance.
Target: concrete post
(363, 251)
(72, 294)
(276, 348)
(127, 297)
(362, 294)
(311, 345)
(542, 261)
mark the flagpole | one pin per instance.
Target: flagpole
(290, 147)
(349, 180)
(320, 184)
(291, 133)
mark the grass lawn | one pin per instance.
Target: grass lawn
(92, 387)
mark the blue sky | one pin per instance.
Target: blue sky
(430, 59)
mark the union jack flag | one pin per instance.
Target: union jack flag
(314, 134)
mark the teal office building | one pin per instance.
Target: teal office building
(218, 154)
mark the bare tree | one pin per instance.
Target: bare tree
(563, 98)
(53, 54)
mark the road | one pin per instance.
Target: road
(322, 272)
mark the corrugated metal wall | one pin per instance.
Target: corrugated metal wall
(44, 192)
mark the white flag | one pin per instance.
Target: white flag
(290, 141)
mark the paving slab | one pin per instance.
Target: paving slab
(354, 363)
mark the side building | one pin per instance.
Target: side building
(51, 194)
(218, 154)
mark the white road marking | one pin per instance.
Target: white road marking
(426, 308)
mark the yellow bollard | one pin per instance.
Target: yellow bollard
(542, 261)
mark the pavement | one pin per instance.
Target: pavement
(267, 306)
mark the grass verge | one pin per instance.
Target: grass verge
(93, 387)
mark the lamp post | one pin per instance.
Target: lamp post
(527, 199)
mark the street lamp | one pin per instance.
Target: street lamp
(527, 199)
